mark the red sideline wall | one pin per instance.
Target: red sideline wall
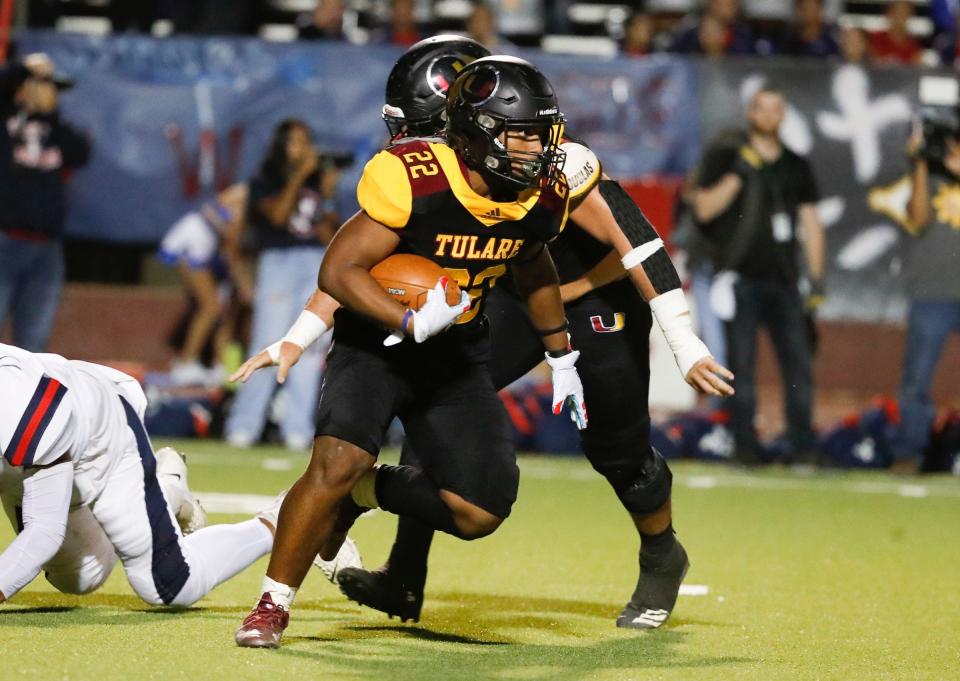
(131, 324)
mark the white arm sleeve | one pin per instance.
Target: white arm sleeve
(46, 504)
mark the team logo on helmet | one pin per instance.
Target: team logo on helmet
(442, 72)
(481, 86)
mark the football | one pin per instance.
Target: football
(408, 278)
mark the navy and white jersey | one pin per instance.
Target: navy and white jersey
(54, 407)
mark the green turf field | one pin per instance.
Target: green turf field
(824, 576)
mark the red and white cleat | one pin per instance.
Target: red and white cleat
(264, 626)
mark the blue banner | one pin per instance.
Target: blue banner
(177, 118)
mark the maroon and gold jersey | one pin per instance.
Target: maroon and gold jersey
(419, 188)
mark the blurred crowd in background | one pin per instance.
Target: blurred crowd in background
(894, 32)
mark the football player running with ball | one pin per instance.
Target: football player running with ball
(608, 238)
(489, 199)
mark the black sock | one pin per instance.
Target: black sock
(411, 548)
(655, 549)
(407, 491)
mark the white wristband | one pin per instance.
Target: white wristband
(306, 330)
(673, 316)
(637, 255)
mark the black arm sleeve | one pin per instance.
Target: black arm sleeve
(631, 220)
(633, 223)
(661, 272)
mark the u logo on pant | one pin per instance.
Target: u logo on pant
(600, 327)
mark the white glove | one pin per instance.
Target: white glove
(567, 387)
(434, 316)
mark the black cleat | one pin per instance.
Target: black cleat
(377, 589)
(656, 592)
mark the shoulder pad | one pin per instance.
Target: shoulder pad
(384, 191)
(421, 159)
(581, 168)
(34, 426)
(410, 140)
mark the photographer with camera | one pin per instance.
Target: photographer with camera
(932, 280)
(292, 215)
(37, 148)
(755, 202)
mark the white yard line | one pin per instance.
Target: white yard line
(543, 470)
(276, 464)
(694, 589)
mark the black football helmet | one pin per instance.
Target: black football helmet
(417, 85)
(492, 96)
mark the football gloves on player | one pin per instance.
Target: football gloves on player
(567, 388)
(434, 316)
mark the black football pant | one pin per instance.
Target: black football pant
(777, 307)
(611, 329)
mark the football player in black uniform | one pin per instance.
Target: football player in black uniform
(489, 200)
(609, 324)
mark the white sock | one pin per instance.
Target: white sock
(281, 594)
(217, 553)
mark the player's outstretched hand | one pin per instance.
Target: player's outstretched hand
(567, 388)
(707, 377)
(282, 353)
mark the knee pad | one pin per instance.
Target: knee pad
(642, 481)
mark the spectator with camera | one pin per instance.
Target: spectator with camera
(37, 148)
(292, 215)
(755, 201)
(932, 282)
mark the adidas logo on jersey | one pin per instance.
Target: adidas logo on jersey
(495, 213)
